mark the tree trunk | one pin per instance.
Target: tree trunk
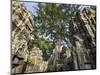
(74, 54)
(58, 45)
(57, 53)
(75, 60)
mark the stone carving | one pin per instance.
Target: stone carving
(23, 60)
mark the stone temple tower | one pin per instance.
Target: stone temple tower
(22, 22)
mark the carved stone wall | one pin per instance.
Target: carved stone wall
(23, 60)
(83, 38)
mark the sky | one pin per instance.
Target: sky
(30, 6)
